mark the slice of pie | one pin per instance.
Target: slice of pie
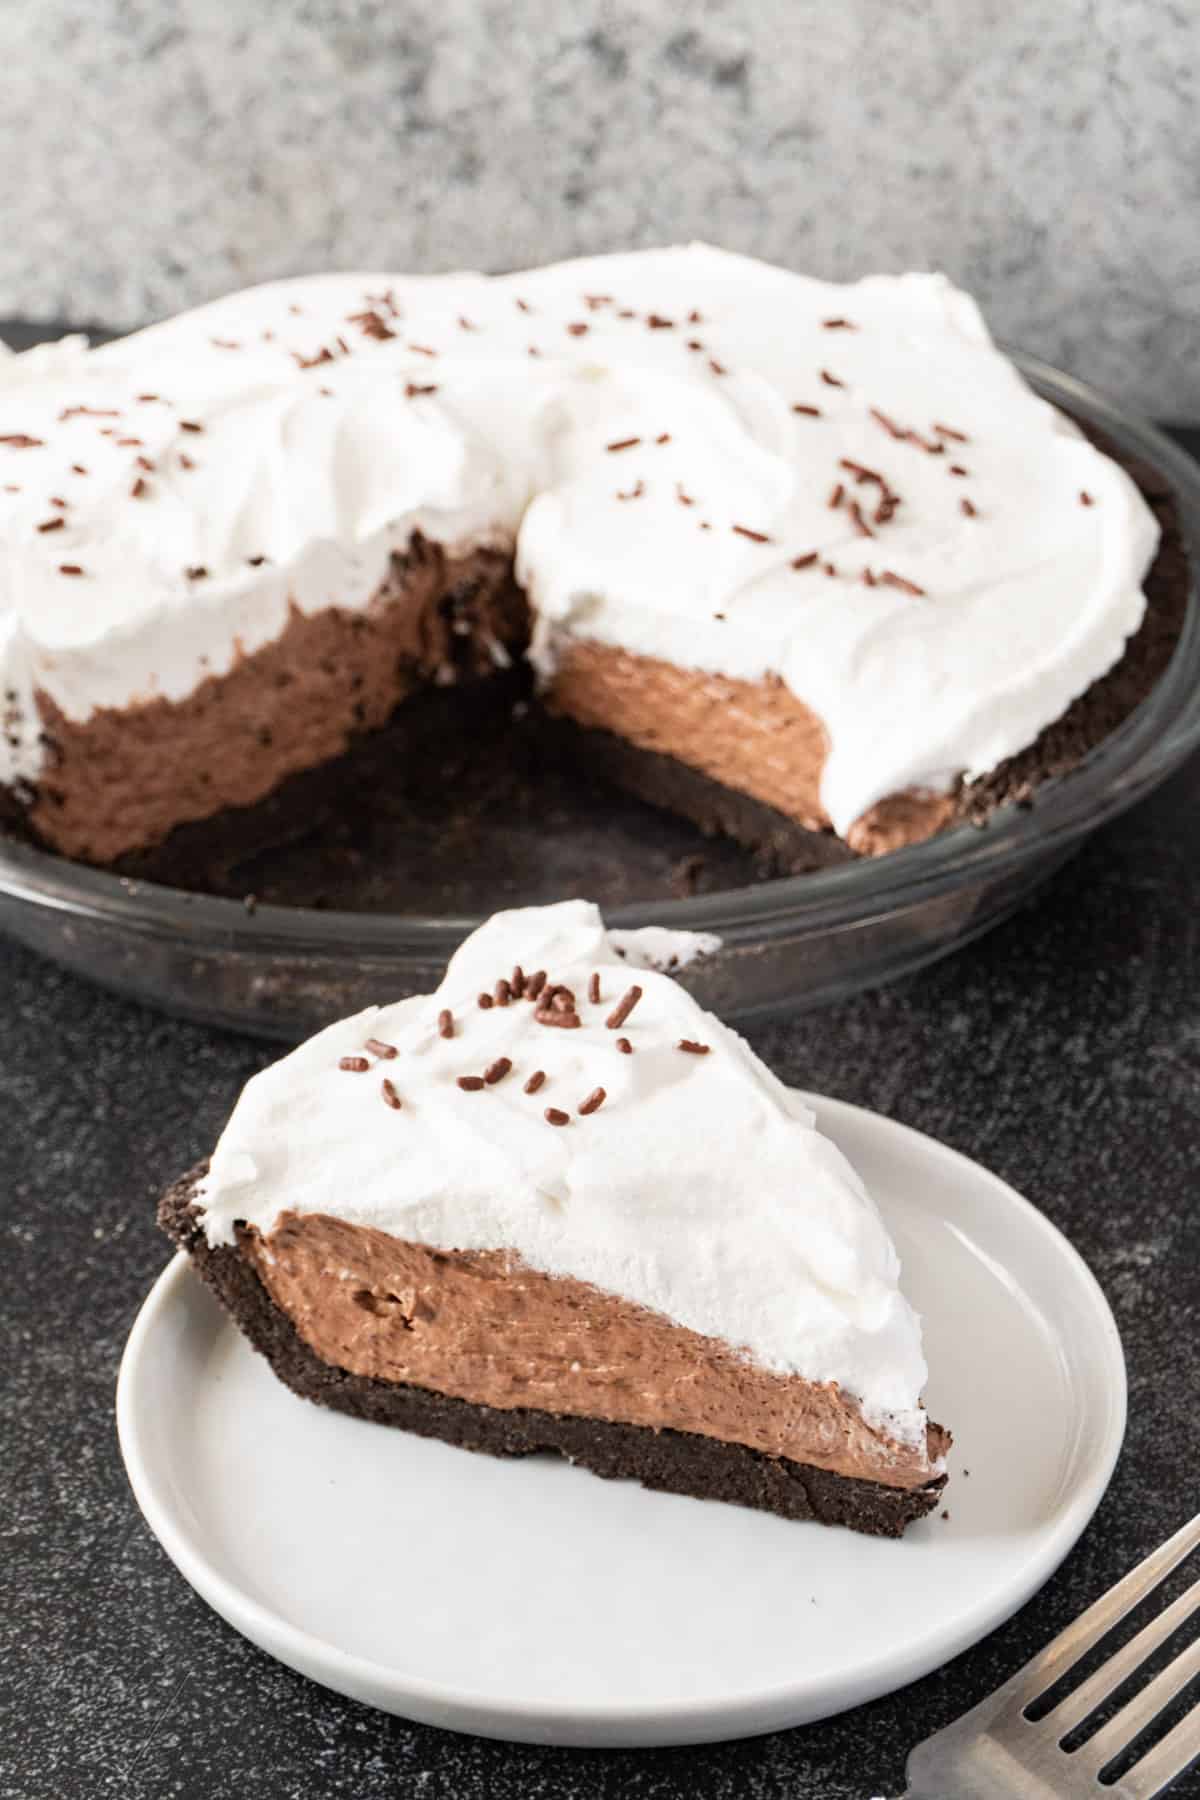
(557, 1206)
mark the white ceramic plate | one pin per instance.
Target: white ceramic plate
(531, 1600)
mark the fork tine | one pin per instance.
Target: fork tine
(1043, 1670)
(1121, 1665)
(1143, 1709)
(1168, 1760)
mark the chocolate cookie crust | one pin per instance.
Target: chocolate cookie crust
(671, 1461)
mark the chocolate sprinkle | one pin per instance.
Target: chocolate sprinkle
(356, 1065)
(390, 1095)
(623, 1008)
(139, 488)
(716, 367)
(898, 581)
(831, 380)
(656, 322)
(577, 328)
(568, 1020)
(197, 573)
(498, 1070)
(70, 569)
(838, 325)
(51, 524)
(594, 988)
(692, 1047)
(377, 1047)
(446, 1023)
(957, 469)
(553, 1116)
(756, 537)
(535, 983)
(664, 437)
(966, 506)
(535, 1081)
(889, 425)
(836, 497)
(810, 412)
(516, 982)
(860, 524)
(624, 1046)
(503, 993)
(623, 443)
(805, 562)
(1085, 499)
(960, 437)
(593, 1103)
(190, 425)
(484, 1002)
(414, 389)
(470, 1084)
(21, 440)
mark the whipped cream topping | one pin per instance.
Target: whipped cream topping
(698, 1186)
(659, 436)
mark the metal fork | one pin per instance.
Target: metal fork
(995, 1753)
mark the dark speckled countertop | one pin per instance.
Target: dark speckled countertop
(1063, 1051)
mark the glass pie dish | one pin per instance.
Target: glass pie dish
(798, 941)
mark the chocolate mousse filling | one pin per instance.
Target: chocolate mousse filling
(122, 780)
(750, 738)
(478, 1350)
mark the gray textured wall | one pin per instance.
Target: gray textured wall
(1044, 152)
